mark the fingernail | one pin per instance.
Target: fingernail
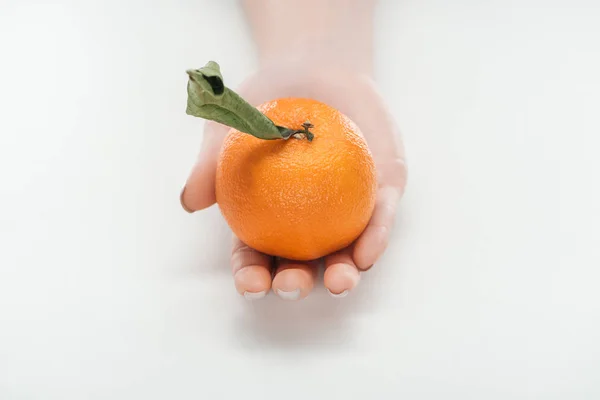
(186, 209)
(255, 295)
(294, 295)
(368, 268)
(338, 295)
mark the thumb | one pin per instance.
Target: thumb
(199, 190)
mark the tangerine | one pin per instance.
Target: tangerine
(298, 198)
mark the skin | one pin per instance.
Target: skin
(330, 58)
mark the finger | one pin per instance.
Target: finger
(392, 172)
(373, 241)
(251, 270)
(341, 274)
(199, 190)
(294, 279)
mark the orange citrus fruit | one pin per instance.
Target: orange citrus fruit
(296, 198)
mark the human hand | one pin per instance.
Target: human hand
(353, 94)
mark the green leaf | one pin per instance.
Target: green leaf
(209, 98)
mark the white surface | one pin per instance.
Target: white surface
(489, 289)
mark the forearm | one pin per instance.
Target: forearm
(333, 32)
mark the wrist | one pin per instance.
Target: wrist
(335, 33)
(308, 50)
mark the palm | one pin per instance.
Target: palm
(356, 97)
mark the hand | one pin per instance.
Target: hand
(354, 95)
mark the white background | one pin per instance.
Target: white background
(489, 289)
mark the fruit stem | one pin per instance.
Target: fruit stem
(209, 98)
(309, 135)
